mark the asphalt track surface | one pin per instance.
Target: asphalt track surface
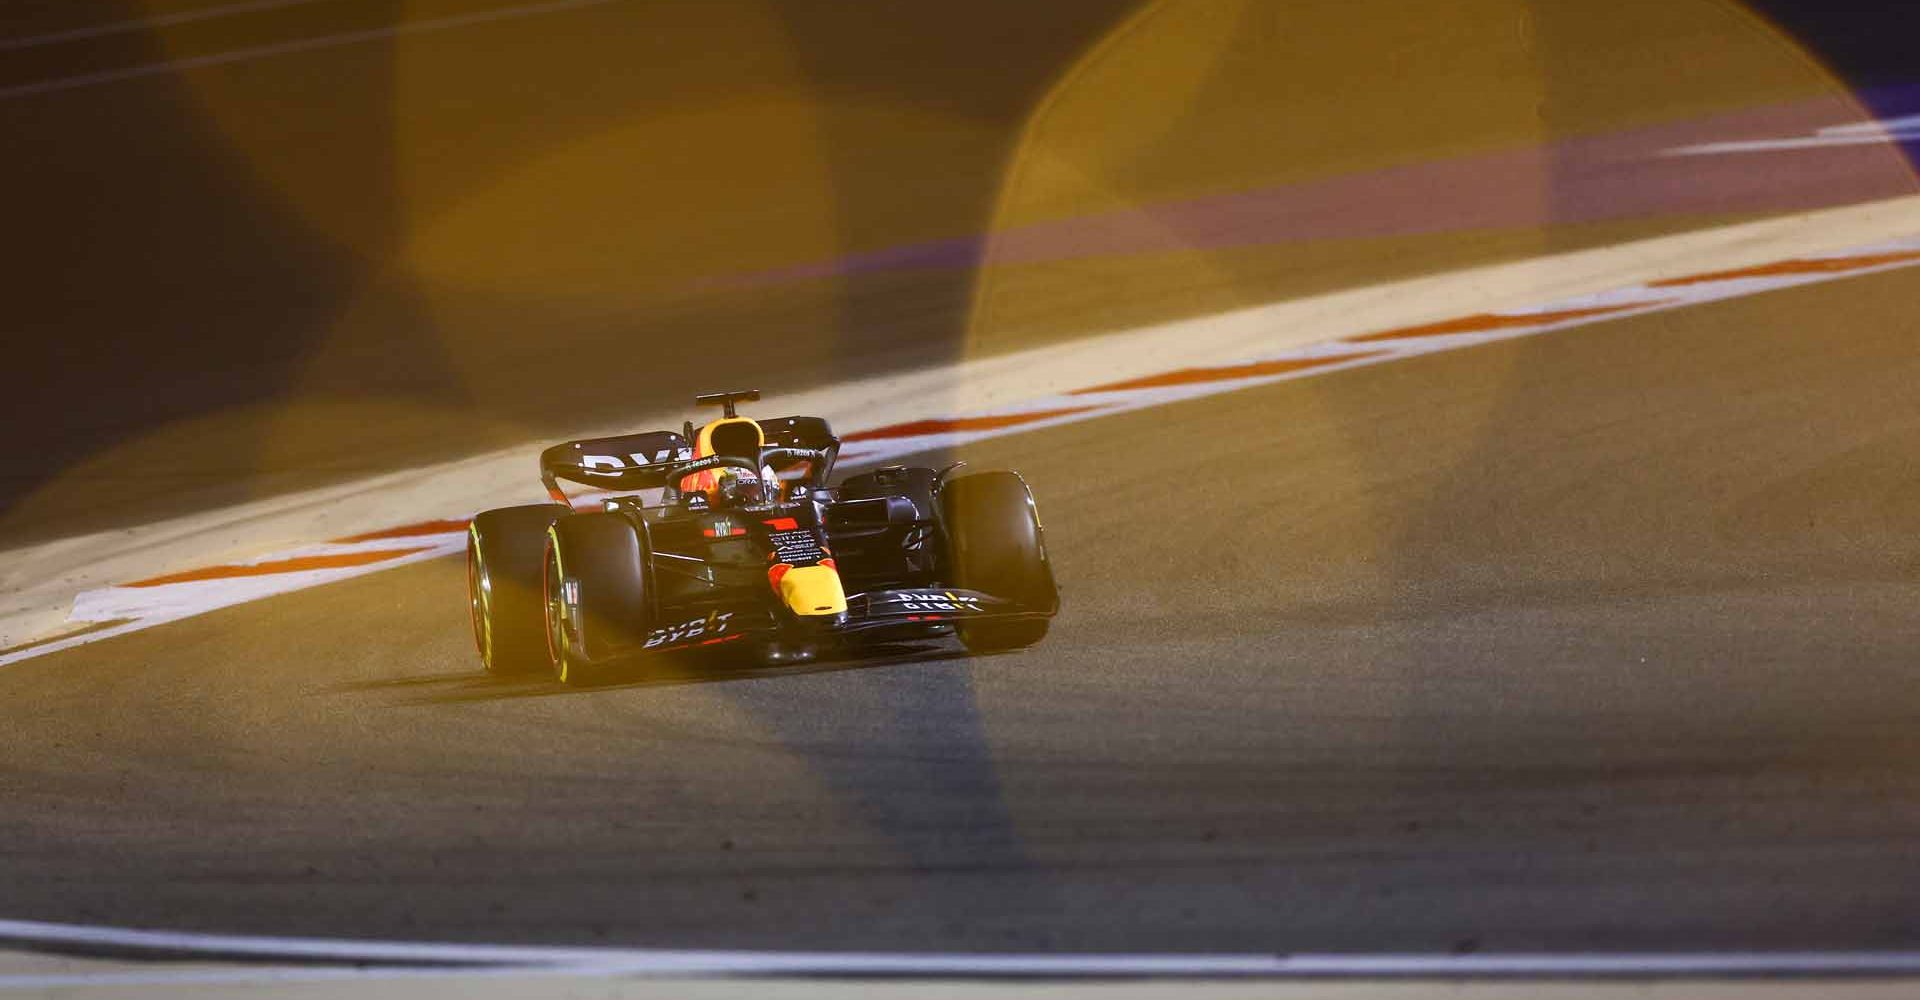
(1601, 640)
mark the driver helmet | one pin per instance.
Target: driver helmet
(738, 487)
(735, 437)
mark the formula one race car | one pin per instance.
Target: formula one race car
(731, 535)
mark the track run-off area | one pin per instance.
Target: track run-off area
(1091, 378)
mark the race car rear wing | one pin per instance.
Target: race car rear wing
(622, 463)
(798, 434)
(653, 459)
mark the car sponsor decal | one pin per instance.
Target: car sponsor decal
(795, 546)
(608, 465)
(712, 626)
(945, 600)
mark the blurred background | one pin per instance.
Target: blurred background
(259, 246)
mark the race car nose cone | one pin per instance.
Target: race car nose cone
(813, 591)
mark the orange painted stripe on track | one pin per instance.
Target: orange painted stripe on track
(1815, 265)
(88, 629)
(407, 531)
(919, 428)
(341, 560)
(1226, 373)
(1486, 322)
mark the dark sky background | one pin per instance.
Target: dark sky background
(1871, 45)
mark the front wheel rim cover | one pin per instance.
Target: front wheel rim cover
(477, 601)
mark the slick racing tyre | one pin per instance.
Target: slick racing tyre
(994, 545)
(505, 550)
(598, 595)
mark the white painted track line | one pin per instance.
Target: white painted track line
(1890, 130)
(148, 23)
(291, 951)
(294, 46)
(971, 400)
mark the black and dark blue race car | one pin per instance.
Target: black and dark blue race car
(730, 534)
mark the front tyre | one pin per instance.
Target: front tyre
(994, 545)
(505, 552)
(598, 595)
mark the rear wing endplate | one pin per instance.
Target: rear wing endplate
(649, 460)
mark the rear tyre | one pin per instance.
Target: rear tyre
(598, 595)
(505, 551)
(994, 545)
